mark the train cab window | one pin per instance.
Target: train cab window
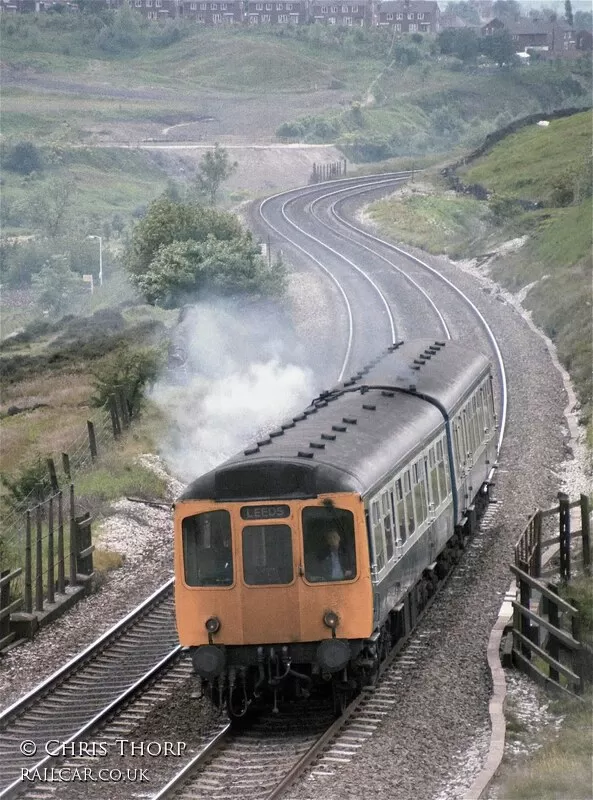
(328, 544)
(207, 552)
(267, 554)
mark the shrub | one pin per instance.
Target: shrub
(24, 158)
(129, 371)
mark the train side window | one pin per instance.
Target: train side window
(207, 549)
(420, 494)
(387, 526)
(481, 421)
(476, 423)
(442, 470)
(409, 498)
(267, 554)
(401, 511)
(489, 405)
(434, 476)
(329, 544)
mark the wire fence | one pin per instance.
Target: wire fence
(103, 426)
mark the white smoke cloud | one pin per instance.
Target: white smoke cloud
(241, 378)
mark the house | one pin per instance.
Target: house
(357, 13)
(549, 39)
(410, 16)
(155, 9)
(276, 13)
(491, 26)
(212, 12)
(453, 22)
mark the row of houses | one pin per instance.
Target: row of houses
(551, 39)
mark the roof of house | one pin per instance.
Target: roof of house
(427, 6)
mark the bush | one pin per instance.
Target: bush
(32, 482)
(24, 158)
(129, 371)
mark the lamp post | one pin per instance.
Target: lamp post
(91, 236)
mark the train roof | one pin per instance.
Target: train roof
(351, 436)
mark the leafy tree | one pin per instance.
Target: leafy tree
(499, 47)
(31, 483)
(215, 168)
(129, 371)
(507, 9)
(184, 270)
(24, 158)
(465, 11)
(49, 207)
(583, 20)
(166, 222)
(463, 43)
(568, 13)
(55, 285)
(123, 33)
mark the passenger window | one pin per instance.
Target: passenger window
(387, 526)
(443, 471)
(481, 421)
(409, 503)
(207, 549)
(329, 544)
(434, 477)
(420, 498)
(378, 540)
(401, 511)
(267, 554)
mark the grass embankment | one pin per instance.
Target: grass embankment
(550, 166)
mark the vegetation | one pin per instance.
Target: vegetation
(180, 251)
(533, 166)
(215, 168)
(128, 372)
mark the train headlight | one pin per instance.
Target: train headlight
(331, 620)
(213, 625)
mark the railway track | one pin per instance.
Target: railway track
(90, 687)
(305, 743)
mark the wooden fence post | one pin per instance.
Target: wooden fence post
(115, 424)
(552, 646)
(577, 658)
(524, 598)
(38, 561)
(28, 596)
(61, 574)
(50, 552)
(537, 556)
(564, 526)
(66, 465)
(4, 603)
(586, 530)
(53, 477)
(73, 539)
(92, 439)
(125, 411)
(84, 552)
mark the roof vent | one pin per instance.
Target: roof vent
(299, 417)
(321, 404)
(286, 425)
(329, 436)
(349, 420)
(419, 361)
(339, 428)
(304, 454)
(369, 407)
(251, 450)
(349, 383)
(308, 411)
(317, 445)
(262, 442)
(384, 393)
(439, 344)
(412, 388)
(279, 432)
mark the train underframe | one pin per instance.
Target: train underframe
(249, 677)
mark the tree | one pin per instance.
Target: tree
(55, 285)
(182, 271)
(583, 21)
(568, 13)
(24, 158)
(499, 47)
(462, 43)
(129, 371)
(465, 11)
(166, 222)
(508, 9)
(215, 168)
(51, 204)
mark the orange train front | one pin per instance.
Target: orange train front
(305, 557)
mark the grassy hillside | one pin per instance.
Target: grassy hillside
(552, 167)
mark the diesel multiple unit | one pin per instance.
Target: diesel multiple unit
(305, 557)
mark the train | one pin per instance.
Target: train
(302, 560)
